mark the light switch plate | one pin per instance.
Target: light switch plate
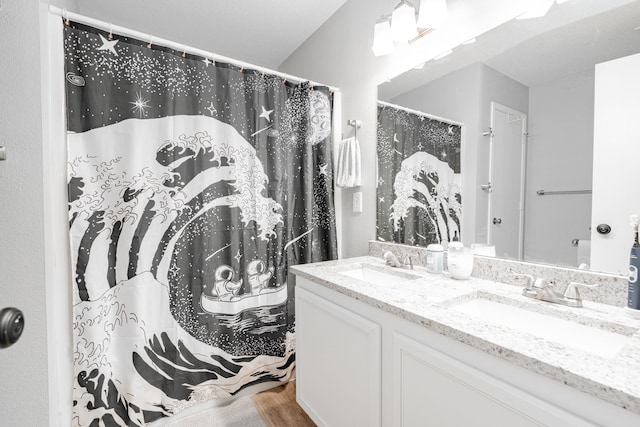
(357, 202)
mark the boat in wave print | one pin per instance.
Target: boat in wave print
(266, 297)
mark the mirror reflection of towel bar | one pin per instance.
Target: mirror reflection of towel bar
(551, 193)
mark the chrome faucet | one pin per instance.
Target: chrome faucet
(543, 290)
(407, 262)
(393, 261)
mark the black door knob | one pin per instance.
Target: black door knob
(603, 228)
(11, 326)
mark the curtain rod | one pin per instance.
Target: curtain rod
(106, 26)
(420, 113)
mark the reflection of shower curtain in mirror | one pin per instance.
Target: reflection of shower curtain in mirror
(192, 187)
(418, 188)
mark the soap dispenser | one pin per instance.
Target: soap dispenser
(435, 258)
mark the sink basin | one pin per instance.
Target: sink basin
(376, 275)
(592, 339)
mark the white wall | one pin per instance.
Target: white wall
(560, 157)
(23, 367)
(56, 219)
(339, 53)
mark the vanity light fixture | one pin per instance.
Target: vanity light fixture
(403, 22)
(382, 39)
(404, 27)
(432, 13)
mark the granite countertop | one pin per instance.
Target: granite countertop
(427, 300)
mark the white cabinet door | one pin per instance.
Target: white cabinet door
(338, 365)
(433, 389)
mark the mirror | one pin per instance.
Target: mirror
(536, 76)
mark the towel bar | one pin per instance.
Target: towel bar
(551, 193)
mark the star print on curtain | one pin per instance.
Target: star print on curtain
(193, 186)
(418, 189)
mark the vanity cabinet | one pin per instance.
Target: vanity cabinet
(358, 365)
(431, 388)
(337, 363)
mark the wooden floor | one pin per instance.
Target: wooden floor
(278, 407)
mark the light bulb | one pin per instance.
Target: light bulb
(403, 22)
(382, 39)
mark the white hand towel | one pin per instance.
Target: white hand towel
(348, 170)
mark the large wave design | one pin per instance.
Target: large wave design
(429, 185)
(149, 225)
(198, 163)
(135, 364)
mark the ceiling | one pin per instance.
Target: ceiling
(570, 39)
(260, 32)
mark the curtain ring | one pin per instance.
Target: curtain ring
(284, 79)
(150, 41)
(110, 31)
(184, 50)
(65, 16)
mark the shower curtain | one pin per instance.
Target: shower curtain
(418, 189)
(193, 186)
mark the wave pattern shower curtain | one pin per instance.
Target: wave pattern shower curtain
(419, 181)
(192, 187)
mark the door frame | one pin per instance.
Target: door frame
(495, 106)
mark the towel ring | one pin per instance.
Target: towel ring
(356, 124)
